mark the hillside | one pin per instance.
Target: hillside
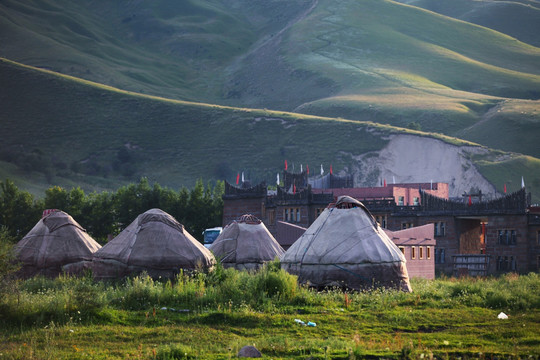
(82, 133)
(379, 61)
(517, 18)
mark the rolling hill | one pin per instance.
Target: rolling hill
(81, 133)
(169, 90)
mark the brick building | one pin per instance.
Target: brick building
(472, 237)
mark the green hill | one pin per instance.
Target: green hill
(517, 18)
(80, 133)
(372, 60)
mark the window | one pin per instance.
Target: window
(381, 219)
(439, 256)
(420, 252)
(428, 252)
(506, 237)
(406, 225)
(402, 248)
(416, 201)
(401, 201)
(271, 217)
(440, 228)
(413, 252)
(291, 214)
(506, 263)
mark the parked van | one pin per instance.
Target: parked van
(210, 235)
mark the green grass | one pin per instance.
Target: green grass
(78, 139)
(509, 171)
(378, 61)
(213, 316)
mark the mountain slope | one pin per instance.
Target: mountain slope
(370, 60)
(517, 18)
(81, 133)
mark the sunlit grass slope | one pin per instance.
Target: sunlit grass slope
(163, 48)
(369, 60)
(517, 18)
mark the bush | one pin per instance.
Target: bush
(174, 352)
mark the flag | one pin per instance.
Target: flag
(294, 189)
(431, 186)
(470, 200)
(242, 176)
(331, 169)
(237, 178)
(505, 188)
(277, 180)
(393, 179)
(301, 169)
(522, 182)
(307, 169)
(322, 171)
(384, 182)
(285, 164)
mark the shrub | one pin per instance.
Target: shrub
(174, 352)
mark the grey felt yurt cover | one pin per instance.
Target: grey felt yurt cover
(346, 247)
(155, 243)
(246, 244)
(56, 244)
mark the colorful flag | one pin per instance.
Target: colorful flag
(470, 200)
(285, 164)
(307, 169)
(294, 189)
(384, 182)
(505, 188)
(331, 169)
(237, 178)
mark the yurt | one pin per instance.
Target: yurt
(154, 243)
(56, 244)
(246, 244)
(345, 247)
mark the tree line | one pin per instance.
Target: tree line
(107, 213)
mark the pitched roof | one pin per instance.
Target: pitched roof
(55, 241)
(155, 240)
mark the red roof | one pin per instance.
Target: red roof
(413, 236)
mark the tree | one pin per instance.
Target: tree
(18, 210)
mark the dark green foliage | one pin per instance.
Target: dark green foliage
(104, 214)
(19, 211)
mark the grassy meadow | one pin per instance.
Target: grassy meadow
(213, 315)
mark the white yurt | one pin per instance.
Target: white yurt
(345, 247)
(246, 244)
(154, 243)
(56, 244)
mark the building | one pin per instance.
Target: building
(473, 236)
(418, 245)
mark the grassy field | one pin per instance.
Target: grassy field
(211, 316)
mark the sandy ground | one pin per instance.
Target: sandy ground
(409, 158)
